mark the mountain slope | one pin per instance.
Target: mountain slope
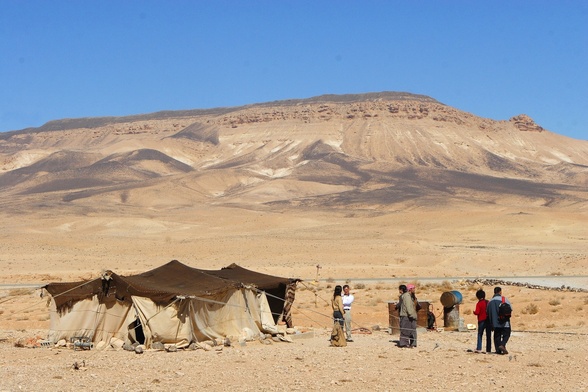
(352, 151)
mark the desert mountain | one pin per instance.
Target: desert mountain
(366, 151)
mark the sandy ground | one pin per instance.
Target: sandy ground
(371, 363)
(547, 349)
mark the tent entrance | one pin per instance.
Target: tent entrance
(136, 331)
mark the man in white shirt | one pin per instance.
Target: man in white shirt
(347, 301)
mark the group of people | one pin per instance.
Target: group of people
(488, 312)
(490, 320)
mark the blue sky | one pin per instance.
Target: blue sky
(495, 59)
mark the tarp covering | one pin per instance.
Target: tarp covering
(173, 303)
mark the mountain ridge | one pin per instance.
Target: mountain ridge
(320, 151)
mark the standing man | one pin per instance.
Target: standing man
(408, 317)
(347, 301)
(411, 289)
(500, 324)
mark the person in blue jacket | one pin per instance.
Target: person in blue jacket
(501, 327)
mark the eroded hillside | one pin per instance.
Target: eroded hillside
(356, 151)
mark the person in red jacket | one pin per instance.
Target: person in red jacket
(483, 322)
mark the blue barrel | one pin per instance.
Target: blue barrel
(451, 298)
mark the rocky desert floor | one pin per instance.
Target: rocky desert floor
(547, 350)
(373, 252)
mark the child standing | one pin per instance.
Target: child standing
(483, 324)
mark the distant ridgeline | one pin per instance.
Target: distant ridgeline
(97, 122)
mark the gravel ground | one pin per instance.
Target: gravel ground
(536, 362)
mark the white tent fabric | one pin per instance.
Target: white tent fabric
(240, 314)
(99, 321)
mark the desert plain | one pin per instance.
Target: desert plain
(373, 254)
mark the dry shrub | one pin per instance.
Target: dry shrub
(550, 325)
(359, 286)
(530, 309)
(554, 302)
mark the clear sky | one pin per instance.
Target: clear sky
(495, 59)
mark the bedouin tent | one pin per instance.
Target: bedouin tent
(171, 304)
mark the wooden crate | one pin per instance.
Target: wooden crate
(394, 319)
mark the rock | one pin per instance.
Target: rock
(171, 348)
(116, 343)
(285, 338)
(138, 350)
(157, 346)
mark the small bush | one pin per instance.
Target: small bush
(554, 302)
(550, 326)
(446, 286)
(530, 309)
(359, 286)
